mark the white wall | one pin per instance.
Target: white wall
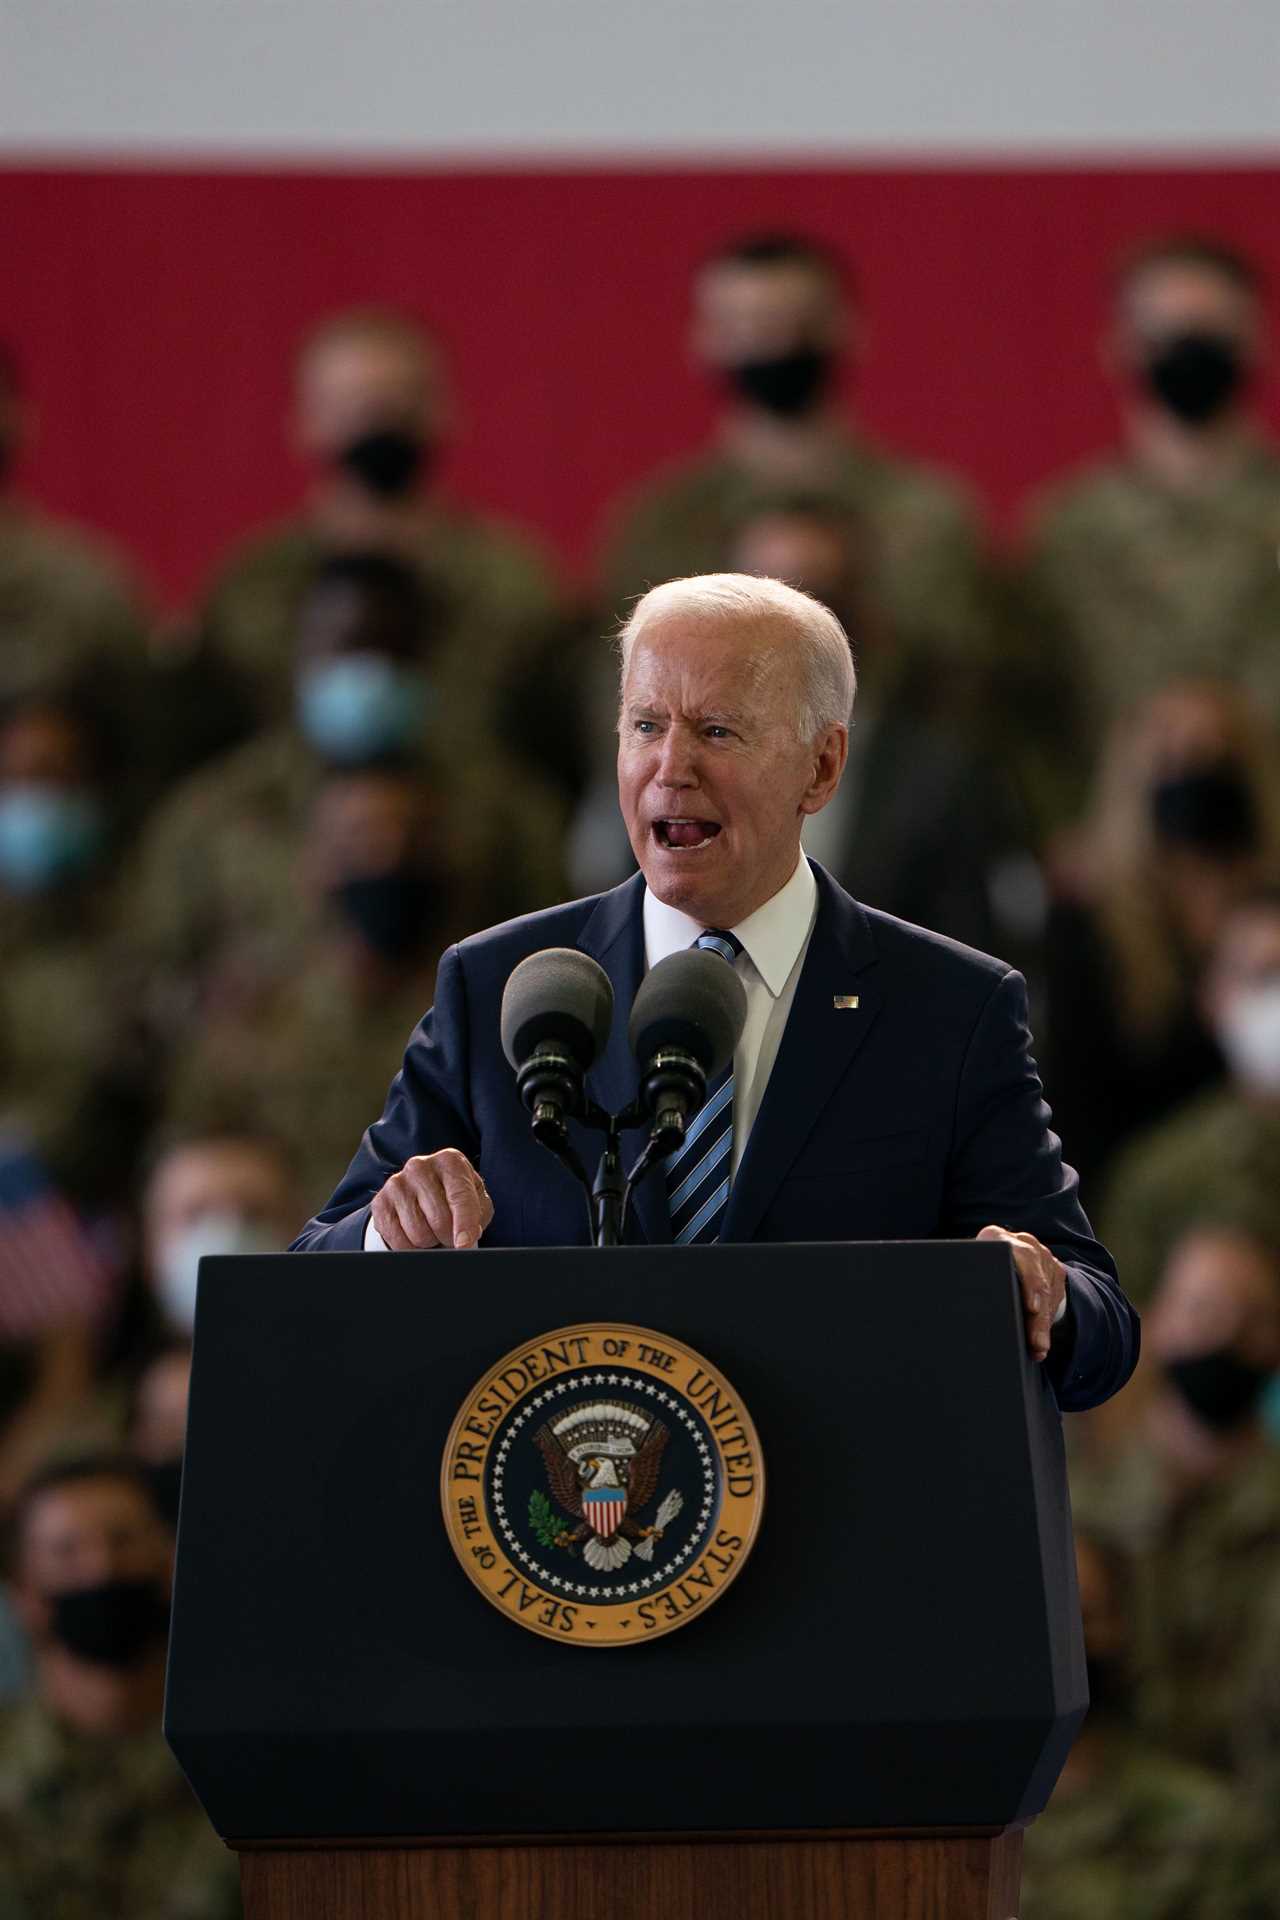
(734, 78)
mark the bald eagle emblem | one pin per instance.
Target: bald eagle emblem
(603, 1461)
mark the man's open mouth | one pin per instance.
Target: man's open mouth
(681, 836)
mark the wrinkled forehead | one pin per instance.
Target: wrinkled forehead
(684, 663)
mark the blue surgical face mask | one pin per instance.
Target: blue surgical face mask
(362, 707)
(47, 834)
(178, 1260)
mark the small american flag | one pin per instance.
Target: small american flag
(50, 1270)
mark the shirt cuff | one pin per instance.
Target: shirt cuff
(373, 1240)
(1062, 1304)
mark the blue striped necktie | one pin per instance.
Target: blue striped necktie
(698, 1172)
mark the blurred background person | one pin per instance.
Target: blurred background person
(1134, 1832)
(222, 902)
(372, 413)
(74, 1074)
(95, 1816)
(774, 320)
(311, 1052)
(1215, 1158)
(1193, 1493)
(1184, 824)
(1161, 561)
(69, 607)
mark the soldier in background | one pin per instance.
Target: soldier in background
(74, 1075)
(95, 1816)
(311, 1053)
(222, 902)
(1162, 560)
(69, 608)
(1183, 823)
(1215, 1159)
(1134, 1832)
(772, 320)
(1193, 1494)
(372, 415)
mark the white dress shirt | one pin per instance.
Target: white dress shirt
(775, 939)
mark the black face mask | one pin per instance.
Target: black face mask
(386, 461)
(1210, 808)
(392, 912)
(166, 1483)
(1219, 1387)
(788, 385)
(1196, 374)
(115, 1624)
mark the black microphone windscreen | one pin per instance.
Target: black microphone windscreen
(558, 994)
(692, 1000)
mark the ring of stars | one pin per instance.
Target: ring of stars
(587, 1381)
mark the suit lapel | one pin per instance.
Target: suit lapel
(614, 935)
(818, 1046)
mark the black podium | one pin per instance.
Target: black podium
(860, 1725)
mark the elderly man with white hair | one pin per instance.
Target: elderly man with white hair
(883, 1086)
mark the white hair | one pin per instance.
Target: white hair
(826, 682)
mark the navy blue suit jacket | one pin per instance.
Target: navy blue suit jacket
(916, 1115)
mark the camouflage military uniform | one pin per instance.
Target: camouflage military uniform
(924, 540)
(1126, 584)
(1217, 1162)
(74, 1079)
(1148, 1837)
(67, 610)
(310, 1062)
(1206, 1586)
(103, 1829)
(218, 886)
(492, 595)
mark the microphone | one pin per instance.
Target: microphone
(557, 1009)
(685, 1023)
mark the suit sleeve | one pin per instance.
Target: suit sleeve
(1006, 1170)
(428, 1107)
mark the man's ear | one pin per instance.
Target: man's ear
(831, 750)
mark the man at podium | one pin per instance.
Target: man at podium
(882, 1087)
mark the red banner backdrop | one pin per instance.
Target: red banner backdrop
(154, 312)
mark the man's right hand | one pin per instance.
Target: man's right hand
(436, 1200)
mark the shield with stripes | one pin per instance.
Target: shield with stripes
(603, 1508)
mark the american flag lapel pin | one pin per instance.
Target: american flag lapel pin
(843, 1000)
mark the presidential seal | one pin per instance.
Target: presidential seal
(602, 1485)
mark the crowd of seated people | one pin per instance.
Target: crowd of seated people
(232, 852)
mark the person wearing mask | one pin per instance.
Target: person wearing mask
(1184, 822)
(775, 325)
(74, 1077)
(1194, 1494)
(95, 1816)
(313, 1051)
(222, 902)
(1161, 561)
(1216, 1157)
(372, 419)
(1134, 1832)
(210, 1192)
(69, 608)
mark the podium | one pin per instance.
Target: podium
(861, 1723)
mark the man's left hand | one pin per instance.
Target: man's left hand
(1043, 1281)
